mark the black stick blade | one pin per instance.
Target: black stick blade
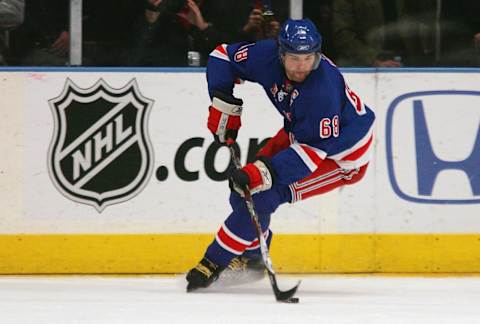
(285, 296)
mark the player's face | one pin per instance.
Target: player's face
(298, 66)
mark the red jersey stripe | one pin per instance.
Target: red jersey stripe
(359, 152)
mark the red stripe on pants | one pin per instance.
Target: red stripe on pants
(230, 241)
(327, 177)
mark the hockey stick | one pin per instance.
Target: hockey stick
(281, 296)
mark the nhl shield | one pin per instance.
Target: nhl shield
(100, 152)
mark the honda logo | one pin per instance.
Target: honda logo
(433, 146)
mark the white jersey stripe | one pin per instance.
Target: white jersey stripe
(304, 156)
(364, 159)
(312, 166)
(359, 144)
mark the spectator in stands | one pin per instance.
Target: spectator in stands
(264, 19)
(384, 33)
(459, 35)
(321, 13)
(169, 29)
(211, 23)
(108, 30)
(43, 39)
(11, 13)
(11, 16)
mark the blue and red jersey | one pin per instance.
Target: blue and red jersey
(322, 116)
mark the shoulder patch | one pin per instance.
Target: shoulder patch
(242, 53)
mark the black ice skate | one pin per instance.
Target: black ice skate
(243, 269)
(203, 275)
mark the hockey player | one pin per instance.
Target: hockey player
(325, 143)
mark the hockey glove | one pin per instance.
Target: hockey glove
(257, 176)
(224, 117)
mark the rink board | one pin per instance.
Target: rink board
(176, 253)
(417, 210)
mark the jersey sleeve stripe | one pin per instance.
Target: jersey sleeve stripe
(355, 155)
(364, 159)
(312, 157)
(364, 140)
(221, 52)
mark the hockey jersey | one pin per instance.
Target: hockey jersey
(322, 115)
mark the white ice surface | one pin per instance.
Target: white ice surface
(157, 299)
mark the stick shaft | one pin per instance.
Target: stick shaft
(254, 216)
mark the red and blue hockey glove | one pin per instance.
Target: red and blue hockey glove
(257, 176)
(224, 117)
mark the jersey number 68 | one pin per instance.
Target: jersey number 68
(329, 127)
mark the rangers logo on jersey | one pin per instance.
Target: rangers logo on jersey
(100, 152)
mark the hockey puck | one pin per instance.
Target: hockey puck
(294, 300)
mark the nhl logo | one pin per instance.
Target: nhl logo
(100, 152)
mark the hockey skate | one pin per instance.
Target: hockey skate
(203, 275)
(241, 270)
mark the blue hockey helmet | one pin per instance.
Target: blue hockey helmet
(300, 37)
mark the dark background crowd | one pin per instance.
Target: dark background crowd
(380, 33)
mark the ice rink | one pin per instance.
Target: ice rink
(162, 299)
